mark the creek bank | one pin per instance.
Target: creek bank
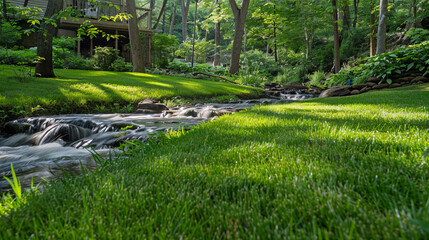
(45, 147)
(373, 83)
(296, 91)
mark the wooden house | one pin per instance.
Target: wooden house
(68, 27)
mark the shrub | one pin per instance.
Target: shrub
(316, 78)
(105, 56)
(9, 34)
(418, 35)
(203, 49)
(185, 67)
(403, 59)
(163, 48)
(26, 56)
(120, 65)
(79, 62)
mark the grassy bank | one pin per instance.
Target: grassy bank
(337, 168)
(80, 90)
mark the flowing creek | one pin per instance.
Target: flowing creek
(45, 147)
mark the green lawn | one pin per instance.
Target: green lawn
(335, 168)
(80, 87)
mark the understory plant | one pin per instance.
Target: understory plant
(384, 66)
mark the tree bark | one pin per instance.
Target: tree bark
(216, 61)
(381, 34)
(336, 37)
(45, 67)
(373, 40)
(164, 3)
(185, 10)
(239, 20)
(276, 59)
(135, 41)
(172, 20)
(4, 10)
(356, 5)
(25, 3)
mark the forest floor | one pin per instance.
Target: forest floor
(95, 91)
(348, 167)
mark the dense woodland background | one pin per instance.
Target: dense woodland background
(258, 41)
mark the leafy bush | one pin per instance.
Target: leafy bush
(403, 59)
(291, 74)
(185, 67)
(105, 56)
(10, 33)
(79, 62)
(26, 56)
(203, 49)
(418, 35)
(316, 78)
(163, 48)
(120, 65)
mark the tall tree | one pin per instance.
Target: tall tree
(381, 34)
(135, 41)
(216, 61)
(45, 67)
(173, 16)
(355, 5)
(239, 20)
(4, 10)
(372, 38)
(336, 37)
(161, 12)
(185, 10)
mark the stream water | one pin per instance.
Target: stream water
(44, 147)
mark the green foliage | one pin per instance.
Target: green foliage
(316, 79)
(8, 202)
(74, 61)
(10, 33)
(163, 48)
(104, 57)
(186, 67)
(120, 65)
(418, 35)
(64, 43)
(203, 50)
(292, 74)
(15, 57)
(400, 60)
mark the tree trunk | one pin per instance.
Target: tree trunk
(172, 20)
(25, 3)
(275, 44)
(216, 61)
(45, 67)
(346, 18)
(164, 3)
(414, 13)
(239, 20)
(217, 43)
(381, 34)
(373, 40)
(356, 5)
(336, 37)
(185, 9)
(307, 43)
(4, 10)
(163, 22)
(135, 41)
